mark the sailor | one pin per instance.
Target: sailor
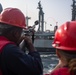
(13, 61)
(65, 44)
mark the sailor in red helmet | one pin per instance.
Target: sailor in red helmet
(65, 44)
(13, 61)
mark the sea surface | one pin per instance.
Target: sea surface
(49, 61)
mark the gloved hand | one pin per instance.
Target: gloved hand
(27, 42)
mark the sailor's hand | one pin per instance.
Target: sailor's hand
(29, 43)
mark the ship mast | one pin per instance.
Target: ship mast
(41, 17)
(74, 10)
(1, 8)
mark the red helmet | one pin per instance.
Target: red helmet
(13, 16)
(65, 37)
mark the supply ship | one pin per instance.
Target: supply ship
(43, 39)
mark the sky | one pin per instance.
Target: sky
(54, 10)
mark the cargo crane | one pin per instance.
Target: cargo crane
(74, 10)
(41, 17)
(1, 8)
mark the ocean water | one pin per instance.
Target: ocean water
(49, 61)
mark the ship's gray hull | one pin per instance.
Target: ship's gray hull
(43, 42)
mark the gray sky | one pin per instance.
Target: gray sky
(55, 10)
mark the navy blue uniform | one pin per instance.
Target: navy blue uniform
(16, 62)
